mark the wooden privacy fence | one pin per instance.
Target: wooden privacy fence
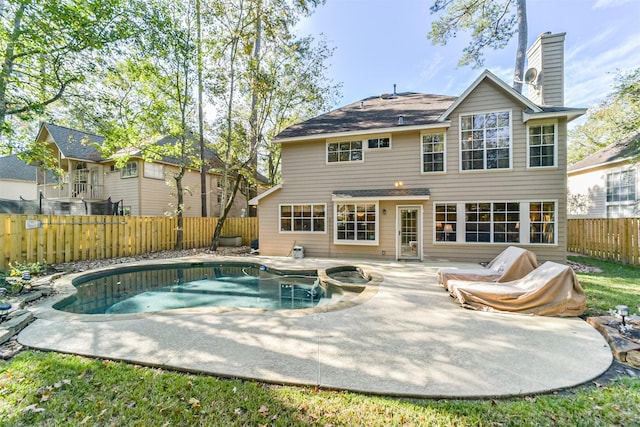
(614, 239)
(58, 238)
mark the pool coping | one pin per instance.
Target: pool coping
(64, 289)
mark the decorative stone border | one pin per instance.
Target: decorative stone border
(623, 349)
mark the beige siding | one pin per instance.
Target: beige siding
(159, 197)
(306, 178)
(125, 189)
(240, 203)
(546, 55)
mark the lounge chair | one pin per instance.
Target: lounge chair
(550, 290)
(512, 263)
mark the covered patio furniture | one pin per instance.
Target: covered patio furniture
(512, 263)
(550, 290)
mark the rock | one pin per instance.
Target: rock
(32, 296)
(10, 349)
(633, 358)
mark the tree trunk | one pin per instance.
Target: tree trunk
(8, 63)
(203, 171)
(180, 229)
(518, 74)
(254, 109)
(223, 216)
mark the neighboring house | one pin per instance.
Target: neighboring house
(17, 179)
(412, 176)
(605, 184)
(140, 187)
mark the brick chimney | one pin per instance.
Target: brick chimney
(546, 55)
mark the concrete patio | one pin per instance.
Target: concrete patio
(409, 339)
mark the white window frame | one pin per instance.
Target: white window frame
(484, 149)
(343, 141)
(554, 222)
(444, 152)
(153, 170)
(492, 222)
(357, 242)
(365, 142)
(127, 170)
(621, 205)
(292, 206)
(555, 145)
(524, 223)
(450, 236)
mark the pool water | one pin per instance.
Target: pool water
(169, 287)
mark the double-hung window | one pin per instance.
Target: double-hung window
(130, 170)
(308, 218)
(432, 147)
(621, 194)
(347, 151)
(153, 170)
(446, 222)
(485, 141)
(356, 223)
(542, 145)
(542, 222)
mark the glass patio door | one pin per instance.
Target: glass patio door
(409, 232)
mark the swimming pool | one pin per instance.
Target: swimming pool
(153, 288)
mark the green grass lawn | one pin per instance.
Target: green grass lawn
(50, 389)
(617, 285)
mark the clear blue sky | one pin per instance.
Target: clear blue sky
(381, 42)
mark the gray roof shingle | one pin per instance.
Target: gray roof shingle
(11, 167)
(76, 144)
(390, 192)
(372, 113)
(627, 147)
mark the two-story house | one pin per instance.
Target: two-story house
(139, 187)
(606, 184)
(412, 176)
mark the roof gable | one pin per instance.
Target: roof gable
(73, 143)
(625, 149)
(488, 75)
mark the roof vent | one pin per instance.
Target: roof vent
(400, 120)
